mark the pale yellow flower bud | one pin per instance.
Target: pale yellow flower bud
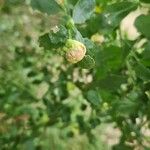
(75, 51)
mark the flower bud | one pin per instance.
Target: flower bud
(127, 27)
(97, 38)
(75, 51)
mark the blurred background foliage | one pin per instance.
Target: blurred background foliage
(48, 104)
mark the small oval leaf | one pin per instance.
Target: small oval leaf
(83, 10)
(87, 63)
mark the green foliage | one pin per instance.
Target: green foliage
(142, 23)
(94, 98)
(83, 10)
(142, 72)
(47, 102)
(145, 1)
(54, 39)
(87, 63)
(116, 12)
(46, 6)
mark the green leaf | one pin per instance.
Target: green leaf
(121, 146)
(146, 55)
(123, 106)
(55, 38)
(142, 24)
(142, 72)
(91, 47)
(83, 10)
(93, 97)
(87, 62)
(112, 82)
(117, 11)
(29, 144)
(46, 6)
(78, 36)
(145, 1)
(127, 102)
(58, 35)
(94, 122)
(108, 60)
(44, 41)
